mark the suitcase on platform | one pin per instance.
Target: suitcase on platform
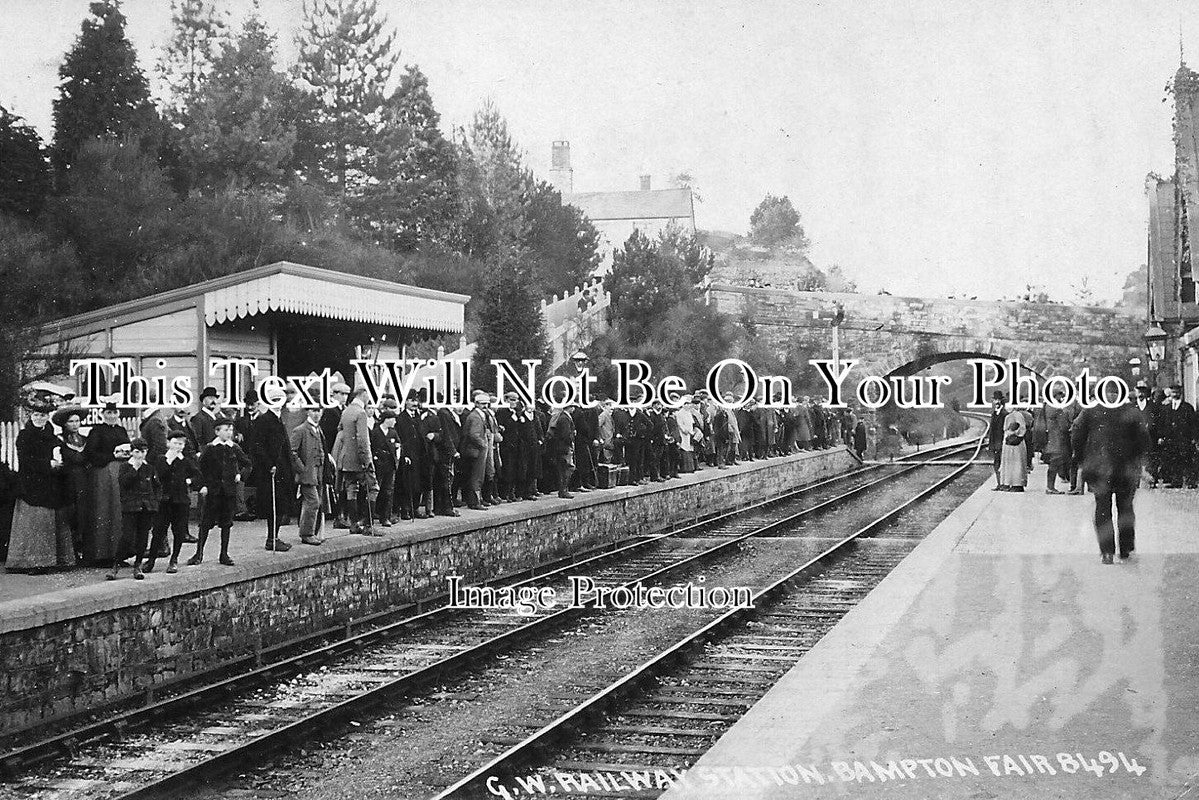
(622, 476)
(606, 475)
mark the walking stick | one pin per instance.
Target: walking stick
(272, 521)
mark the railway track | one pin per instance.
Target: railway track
(214, 728)
(660, 718)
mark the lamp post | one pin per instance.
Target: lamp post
(1155, 344)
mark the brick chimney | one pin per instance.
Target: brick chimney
(645, 183)
(561, 175)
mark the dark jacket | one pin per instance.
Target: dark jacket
(140, 490)
(447, 431)
(269, 446)
(173, 478)
(330, 422)
(203, 428)
(1109, 444)
(640, 426)
(412, 442)
(101, 441)
(220, 464)
(383, 450)
(40, 485)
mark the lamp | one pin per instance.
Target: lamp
(1155, 341)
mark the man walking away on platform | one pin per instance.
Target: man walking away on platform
(1111, 444)
(355, 465)
(223, 465)
(309, 462)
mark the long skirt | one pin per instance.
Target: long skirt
(103, 531)
(41, 539)
(1013, 465)
(686, 461)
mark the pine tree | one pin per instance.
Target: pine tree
(511, 325)
(345, 62)
(412, 198)
(236, 135)
(24, 176)
(497, 198)
(197, 32)
(103, 93)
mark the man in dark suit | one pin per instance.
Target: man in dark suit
(410, 479)
(995, 432)
(1110, 444)
(443, 429)
(560, 438)
(640, 429)
(529, 438)
(1177, 439)
(586, 420)
(383, 449)
(310, 461)
(505, 419)
(270, 451)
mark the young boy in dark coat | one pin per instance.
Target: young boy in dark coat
(178, 476)
(223, 465)
(140, 493)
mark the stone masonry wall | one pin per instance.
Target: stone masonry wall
(60, 666)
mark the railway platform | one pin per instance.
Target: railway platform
(1001, 659)
(73, 642)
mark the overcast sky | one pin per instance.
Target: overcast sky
(931, 147)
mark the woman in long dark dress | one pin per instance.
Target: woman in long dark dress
(74, 469)
(41, 539)
(103, 532)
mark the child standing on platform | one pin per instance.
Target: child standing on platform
(224, 466)
(139, 505)
(178, 476)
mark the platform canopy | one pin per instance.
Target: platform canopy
(281, 287)
(305, 290)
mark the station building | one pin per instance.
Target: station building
(289, 319)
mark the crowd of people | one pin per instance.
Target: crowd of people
(111, 499)
(1152, 440)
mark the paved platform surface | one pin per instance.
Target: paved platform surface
(34, 600)
(1001, 645)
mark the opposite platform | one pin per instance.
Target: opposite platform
(1000, 646)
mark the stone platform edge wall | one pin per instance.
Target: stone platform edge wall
(86, 662)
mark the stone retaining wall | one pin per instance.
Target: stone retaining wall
(76, 661)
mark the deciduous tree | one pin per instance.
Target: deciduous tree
(775, 223)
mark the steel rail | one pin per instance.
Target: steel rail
(579, 717)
